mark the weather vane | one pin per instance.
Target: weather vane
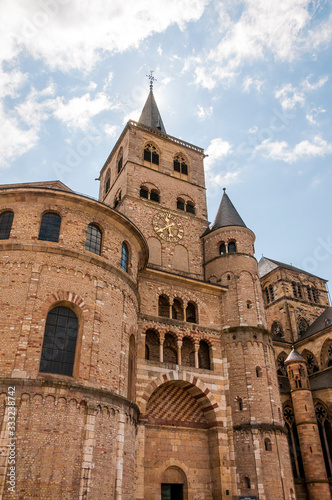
(152, 79)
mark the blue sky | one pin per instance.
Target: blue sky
(249, 81)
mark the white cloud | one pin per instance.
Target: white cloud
(18, 140)
(204, 112)
(303, 150)
(216, 150)
(313, 114)
(284, 30)
(79, 111)
(249, 83)
(74, 34)
(222, 179)
(289, 95)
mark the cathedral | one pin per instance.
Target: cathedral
(145, 354)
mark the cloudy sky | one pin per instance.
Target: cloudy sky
(249, 81)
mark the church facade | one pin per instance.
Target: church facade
(144, 352)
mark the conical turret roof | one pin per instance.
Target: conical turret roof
(227, 215)
(150, 115)
(294, 356)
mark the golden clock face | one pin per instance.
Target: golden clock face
(168, 227)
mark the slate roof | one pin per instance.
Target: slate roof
(150, 115)
(294, 356)
(227, 215)
(266, 265)
(323, 321)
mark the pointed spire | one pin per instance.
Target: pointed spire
(150, 115)
(227, 214)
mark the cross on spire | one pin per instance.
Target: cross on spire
(152, 79)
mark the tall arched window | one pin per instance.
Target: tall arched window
(231, 247)
(267, 444)
(120, 160)
(303, 325)
(131, 369)
(177, 309)
(163, 306)
(188, 352)
(152, 345)
(50, 227)
(204, 355)
(151, 154)
(281, 368)
(170, 349)
(59, 346)
(191, 313)
(124, 257)
(93, 239)
(293, 442)
(222, 248)
(297, 291)
(325, 433)
(6, 221)
(180, 164)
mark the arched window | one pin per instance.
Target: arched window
(107, 184)
(188, 352)
(180, 204)
(191, 313)
(50, 227)
(297, 291)
(151, 154)
(180, 164)
(152, 345)
(293, 443)
(154, 195)
(247, 482)
(144, 192)
(302, 325)
(281, 368)
(170, 349)
(6, 221)
(312, 293)
(93, 239)
(276, 329)
(120, 160)
(131, 369)
(222, 248)
(267, 295)
(259, 372)
(204, 355)
(231, 247)
(58, 352)
(177, 309)
(312, 365)
(267, 444)
(163, 306)
(124, 257)
(190, 207)
(239, 403)
(271, 292)
(117, 199)
(325, 433)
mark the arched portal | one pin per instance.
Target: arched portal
(181, 425)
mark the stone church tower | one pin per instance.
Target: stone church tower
(135, 336)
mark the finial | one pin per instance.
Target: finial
(152, 79)
(224, 190)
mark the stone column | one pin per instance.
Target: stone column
(307, 428)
